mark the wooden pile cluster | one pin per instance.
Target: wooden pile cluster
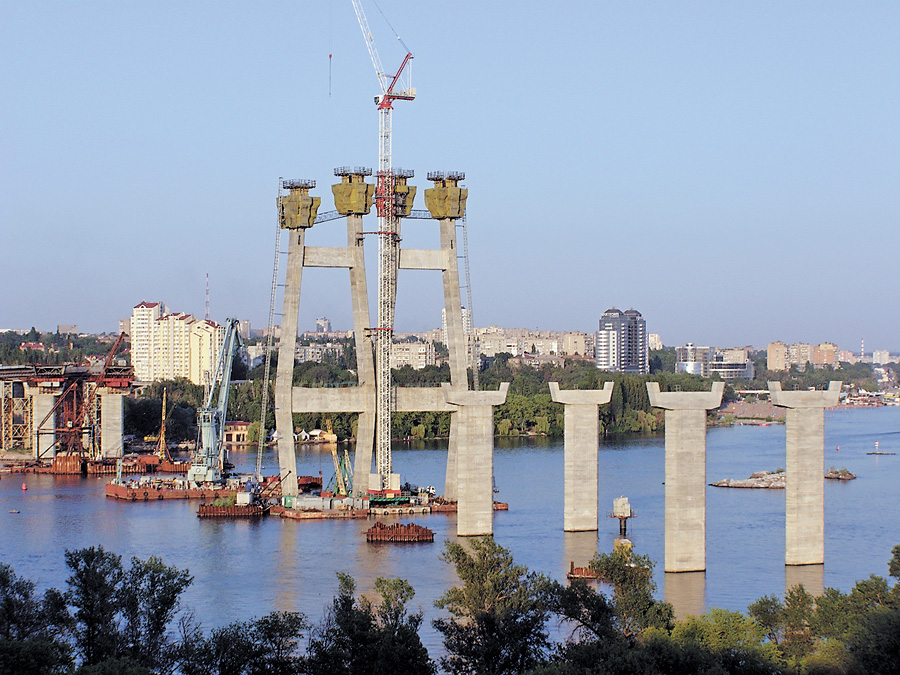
(400, 532)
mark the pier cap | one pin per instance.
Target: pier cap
(818, 398)
(686, 400)
(581, 396)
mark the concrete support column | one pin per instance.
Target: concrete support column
(475, 458)
(112, 424)
(365, 357)
(804, 494)
(685, 473)
(284, 424)
(451, 491)
(582, 432)
(41, 444)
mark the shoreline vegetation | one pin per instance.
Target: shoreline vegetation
(527, 412)
(129, 620)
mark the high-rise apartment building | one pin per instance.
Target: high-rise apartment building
(143, 317)
(166, 346)
(622, 342)
(323, 325)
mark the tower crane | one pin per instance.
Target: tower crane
(388, 242)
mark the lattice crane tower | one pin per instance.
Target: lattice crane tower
(388, 244)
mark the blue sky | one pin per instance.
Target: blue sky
(731, 170)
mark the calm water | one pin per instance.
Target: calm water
(246, 569)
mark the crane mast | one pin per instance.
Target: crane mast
(388, 245)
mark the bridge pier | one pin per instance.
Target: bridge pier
(582, 431)
(804, 493)
(685, 523)
(475, 457)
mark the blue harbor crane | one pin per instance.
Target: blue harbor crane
(208, 462)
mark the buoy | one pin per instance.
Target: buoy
(837, 449)
(24, 487)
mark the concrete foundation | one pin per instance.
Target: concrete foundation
(582, 431)
(42, 444)
(112, 424)
(475, 458)
(685, 473)
(804, 494)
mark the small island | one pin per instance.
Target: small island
(774, 480)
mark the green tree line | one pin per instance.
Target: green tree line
(113, 619)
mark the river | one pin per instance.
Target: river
(245, 569)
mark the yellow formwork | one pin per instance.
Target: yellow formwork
(298, 209)
(446, 199)
(404, 195)
(353, 196)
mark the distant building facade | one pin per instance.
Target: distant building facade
(730, 363)
(622, 342)
(417, 355)
(323, 325)
(781, 356)
(692, 359)
(654, 341)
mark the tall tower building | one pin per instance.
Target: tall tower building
(622, 342)
(143, 317)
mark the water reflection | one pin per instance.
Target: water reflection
(578, 548)
(686, 591)
(812, 577)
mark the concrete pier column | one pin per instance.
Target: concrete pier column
(297, 212)
(804, 493)
(582, 439)
(685, 473)
(475, 457)
(451, 492)
(112, 424)
(41, 444)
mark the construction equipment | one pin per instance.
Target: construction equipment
(162, 450)
(469, 326)
(270, 344)
(209, 458)
(388, 243)
(342, 482)
(77, 430)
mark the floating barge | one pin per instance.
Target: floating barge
(146, 490)
(233, 511)
(399, 533)
(318, 514)
(134, 491)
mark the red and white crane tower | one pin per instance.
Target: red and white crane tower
(393, 88)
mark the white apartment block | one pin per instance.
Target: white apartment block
(143, 317)
(165, 346)
(414, 354)
(654, 342)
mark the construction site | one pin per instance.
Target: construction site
(69, 417)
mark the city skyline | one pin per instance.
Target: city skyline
(735, 166)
